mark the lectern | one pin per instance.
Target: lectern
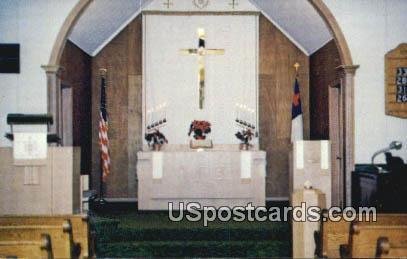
(37, 179)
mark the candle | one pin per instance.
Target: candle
(165, 112)
(246, 114)
(152, 116)
(237, 112)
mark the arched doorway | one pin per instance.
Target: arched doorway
(347, 81)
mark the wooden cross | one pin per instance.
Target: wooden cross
(168, 4)
(201, 52)
(234, 3)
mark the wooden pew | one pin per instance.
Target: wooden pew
(60, 236)
(394, 249)
(363, 236)
(334, 234)
(40, 248)
(82, 239)
(330, 236)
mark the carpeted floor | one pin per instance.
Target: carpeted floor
(124, 233)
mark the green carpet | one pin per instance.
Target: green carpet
(146, 234)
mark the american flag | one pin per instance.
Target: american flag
(103, 129)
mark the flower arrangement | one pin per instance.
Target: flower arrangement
(245, 136)
(155, 139)
(200, 129)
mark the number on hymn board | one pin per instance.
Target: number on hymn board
(401, 85)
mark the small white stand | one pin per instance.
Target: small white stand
(200, 143)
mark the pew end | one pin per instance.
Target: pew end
(387, 249)
(366, 238)
(82, 244)
(41, 248)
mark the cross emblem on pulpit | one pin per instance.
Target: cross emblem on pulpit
(201, 52)
(233, 4)
(168, 4)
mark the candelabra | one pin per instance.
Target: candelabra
(156, 117)
(245, 117)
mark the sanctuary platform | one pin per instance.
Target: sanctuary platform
(221, 176)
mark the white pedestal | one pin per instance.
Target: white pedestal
(310, 161)
(303, 232)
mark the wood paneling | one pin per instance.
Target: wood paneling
(122, 58)
(277, 75)
(323, 73)
(77, 75)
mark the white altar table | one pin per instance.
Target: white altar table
(222, 176)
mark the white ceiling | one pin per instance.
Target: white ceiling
(299, 20)
(104, 19)
(101, 21)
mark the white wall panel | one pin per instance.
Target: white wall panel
(173, 78)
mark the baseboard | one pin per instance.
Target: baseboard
(277, 199)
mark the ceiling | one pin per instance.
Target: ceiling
(104, 19)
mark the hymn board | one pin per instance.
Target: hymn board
(396, 81)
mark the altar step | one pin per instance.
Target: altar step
(193, 234)
(196, 249)
(139, 234)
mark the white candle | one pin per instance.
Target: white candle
(152, 116)
(246, 113)
(253, 122)
(241, 112)
(237, 111)
(148, 119)
(165, 111)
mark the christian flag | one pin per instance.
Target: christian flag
(296, 115)
(103, 128)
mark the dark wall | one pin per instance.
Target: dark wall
(323, 72)
(277, 56)
(77, 75)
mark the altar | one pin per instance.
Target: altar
(222, 176)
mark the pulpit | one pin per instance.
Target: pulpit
(37, 179)
(222, 176)
(54, 190)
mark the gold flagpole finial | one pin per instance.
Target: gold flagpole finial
(103, 72)
(296, 65)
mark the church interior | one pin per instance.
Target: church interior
(114, 113)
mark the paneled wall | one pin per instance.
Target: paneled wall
(76, 74)
(277, 74)
(122, 58)
(323, 64)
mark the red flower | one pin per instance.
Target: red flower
(200, 129)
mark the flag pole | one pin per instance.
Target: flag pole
(103, 73)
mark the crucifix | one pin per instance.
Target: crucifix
(201, 52)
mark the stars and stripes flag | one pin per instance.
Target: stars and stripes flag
(296, 115)
(103, 129)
